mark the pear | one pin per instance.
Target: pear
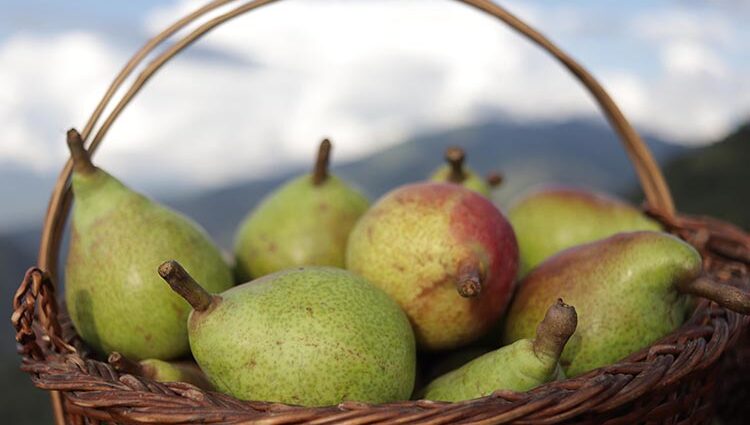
(118, 238)
(555, 218)
(629, 289)
(304, 222)
(456, 172)
(307, 336)
(442, 362)
(162, 371)
(521, 366)
(444, 253)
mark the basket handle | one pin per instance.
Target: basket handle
(651, 179)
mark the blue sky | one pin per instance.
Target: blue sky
(368, 73)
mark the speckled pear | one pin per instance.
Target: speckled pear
(115, 299)
(520, 366)
(307, 336)
(629, 290)
(555, 218)
(305, 222)
(162, 371)
(444, 253)
(455, 171)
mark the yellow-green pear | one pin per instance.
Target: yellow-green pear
(520, 366)
(305, 222)
(551, 219)
(162, 371)
(629, 290)
(310, 336)
(118, 238)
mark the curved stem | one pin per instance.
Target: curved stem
(184, 284)
(469, 281)
(455, 157)
(725, 295)
(556, 328)
(320, 172)
(81, 160)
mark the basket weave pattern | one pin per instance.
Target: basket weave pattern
(671, 382)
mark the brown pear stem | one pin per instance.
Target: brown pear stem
(81, 159)
(455, 157)
(184, 284)
(494, 179)
(725, 295)
(556, 328)
(124, 364)
(469, 281)
(320, 172)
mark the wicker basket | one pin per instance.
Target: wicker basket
(671, 382)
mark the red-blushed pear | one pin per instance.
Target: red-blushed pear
(455, 171)
(444, 253)
(629, 290)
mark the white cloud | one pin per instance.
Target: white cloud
(365, 73)
(45, 84)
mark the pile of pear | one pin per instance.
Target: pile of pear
(431, 291)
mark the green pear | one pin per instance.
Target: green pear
(444, 253)
(307, 336)
(118, 238)
(162, 371)
(441, 362)
(521, 366)
(305, 222)
(456, 172)
(629, 289)
(555, 218)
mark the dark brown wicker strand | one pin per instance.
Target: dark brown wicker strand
(671, 382)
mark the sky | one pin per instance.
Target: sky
(259, 93)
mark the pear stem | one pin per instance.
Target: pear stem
(124, 364)
(556, 328)
(320, 172)
(725, 295)
(494, 179)
(81, 158)
(455, 157)
(184, 284)
(469, 281)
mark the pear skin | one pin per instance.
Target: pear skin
(118, 238)
(304, 222)
(313, 336)
(552, 219)
(444, 253)
(626, 289)
(520, 366)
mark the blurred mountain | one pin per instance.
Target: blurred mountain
(713, 180)
(25, 194)
(574, 152)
